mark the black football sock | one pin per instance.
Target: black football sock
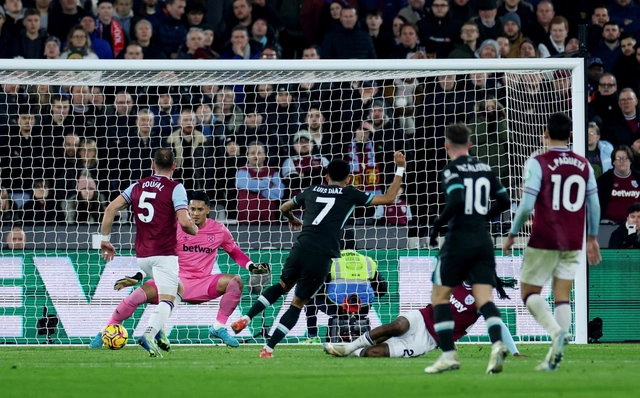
(312, 320)
(491, 314)
(287, 321)
(270, 296)
(444, 324)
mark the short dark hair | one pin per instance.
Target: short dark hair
(31, 11)
(633, 208)
(610, 23)
(622, 148)
(338, 170)
(458, 134)
(200, 195)
(164, 159)
(58, 98)
(559, 126)
(374, 12)
(349, 8)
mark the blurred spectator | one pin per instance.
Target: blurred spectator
(310, 93)
(609, 48)
(489, 26)
(26, 152)
(599, 17)
(626, 14)
(528, 49)
(513, 31)
(399, 212)
(88, 204)
(207, 43)
(619, 187)
(32, 38)
(505, 46)
(147, 9)
(8, 43)
(224, 176)
(408, 42)
(522, 8)
(124, 15)
(8, 208)
(15, 239)
(135, 151)
(540, 27)
(204, 119)
(44, 8)
(348, 41)
(382, 41)
(594, 72)
(605, 104)
(42, 207)
(241, 16)
(283, 116)
(65, 166)
(63, 16)
(226, 112)
(626, 67)
(109, 29)
(100, 46)
(557, 39)
(144, 33)
(462, 11)
(133, 51)
(89, 162)
(194, 14)
(398, 21)
(14, 16)
(168, 30)
(78, 45)
(627, 130)
(195, 36)
(626, 236)
(488, 49)
(264, 95)
(469, 35)
(259, 188)
(122, 117)
(192, 150)
(362, 159)
(490, 137)
(165, 112)
(598, 151)
(56, 124)
(415, 11)
(262, 9)
(240, 47)
(388, 138)
(303, 169)
(40, 99)
(269, 52)
(438, 27)
(11, 96)
(319, 17)
(264, 35)
(52, 48)
(255, 129)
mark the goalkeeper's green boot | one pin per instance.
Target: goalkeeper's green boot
(163, 341)
(312, 340)
(151, 347)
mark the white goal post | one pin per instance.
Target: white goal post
(410, 278)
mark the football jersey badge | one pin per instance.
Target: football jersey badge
(211, 238)
(447, 173)
(469, 300)
(634, 183)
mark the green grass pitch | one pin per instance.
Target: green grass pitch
(604, 371)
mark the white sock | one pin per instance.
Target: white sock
(246, 317)
(539, 308)
(562, 314)
(176, 303)
(217, 325)
(356, 353)
(361, 342)
(158, 319)
(269, 349)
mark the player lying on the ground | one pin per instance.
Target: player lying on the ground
(196, 256)
(412, 334)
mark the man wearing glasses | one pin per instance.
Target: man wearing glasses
(605, 103)
(627, 130)
(619, 187)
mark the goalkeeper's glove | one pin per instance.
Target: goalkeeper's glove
(260, 268)
(433, 235)
(128, 281)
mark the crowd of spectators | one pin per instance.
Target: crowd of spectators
(67, 150)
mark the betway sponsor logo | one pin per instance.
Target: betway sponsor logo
(621, 193)
(197, 249)
(459, 306)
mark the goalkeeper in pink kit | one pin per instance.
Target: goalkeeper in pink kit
(196, 257)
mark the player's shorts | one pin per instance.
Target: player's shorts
(163, 270)
(458, 261)
(197, 291)
(539, 265)
(415, 342)
(309, 270)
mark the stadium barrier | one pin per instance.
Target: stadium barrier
(77, 288)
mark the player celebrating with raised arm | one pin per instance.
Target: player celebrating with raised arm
(196, 257)
(156, 202)
(327, 208)
(412, 334)
(557, 185)
(467, 253)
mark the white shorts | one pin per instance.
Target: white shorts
(415, 342)
(164, 272)
(539, 265)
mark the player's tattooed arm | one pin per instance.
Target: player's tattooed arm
(286, 209)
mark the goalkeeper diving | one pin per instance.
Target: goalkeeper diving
(412, 334)
(196, 257)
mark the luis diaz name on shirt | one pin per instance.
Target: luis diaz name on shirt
(332, 190)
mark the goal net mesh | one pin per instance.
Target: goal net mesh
(72, 141)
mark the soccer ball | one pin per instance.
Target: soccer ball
(115, 337)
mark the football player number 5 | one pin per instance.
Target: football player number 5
(563, 189)
(328, 202)
(143, 204)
